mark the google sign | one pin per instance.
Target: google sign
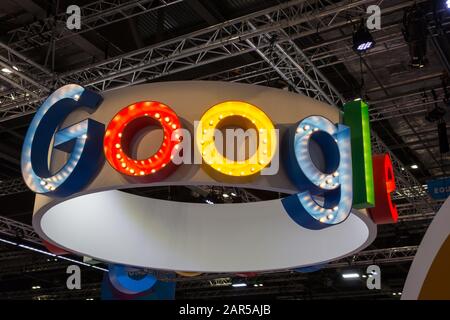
(286, 143)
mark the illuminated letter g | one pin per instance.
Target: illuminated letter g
(83, 142)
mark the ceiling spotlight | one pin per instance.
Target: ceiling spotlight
(414, 166)
(6, 70)
(362, 39)
(350, 275)
(415, 34)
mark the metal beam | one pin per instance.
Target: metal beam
(94, 15)
(205, 46)
(165, 57)
(91, 290)
(27, 78)
(362, 258)
(53, 26)
(202, 47)
(12, 186)
(18, 230)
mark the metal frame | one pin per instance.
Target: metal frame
(12, 186)
(28, 79)
(367, 257)
(93, 15)
(18, 230)
(198, 48)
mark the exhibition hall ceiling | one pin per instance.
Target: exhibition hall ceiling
(270, 43)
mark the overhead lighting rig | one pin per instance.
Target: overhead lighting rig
(415, 33)
(362, 38)
(437, 115)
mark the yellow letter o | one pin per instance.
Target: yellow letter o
(217, 115)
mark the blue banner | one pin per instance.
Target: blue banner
(439, 189)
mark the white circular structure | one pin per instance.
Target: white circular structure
(118, 227)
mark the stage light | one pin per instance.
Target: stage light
(414, 166)
(35, 287)
(350, 275)
(448, 4)
(6, 70)
(415, 34)
(225, 195)
(239, 285)
(362, 39)
(209, 201)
